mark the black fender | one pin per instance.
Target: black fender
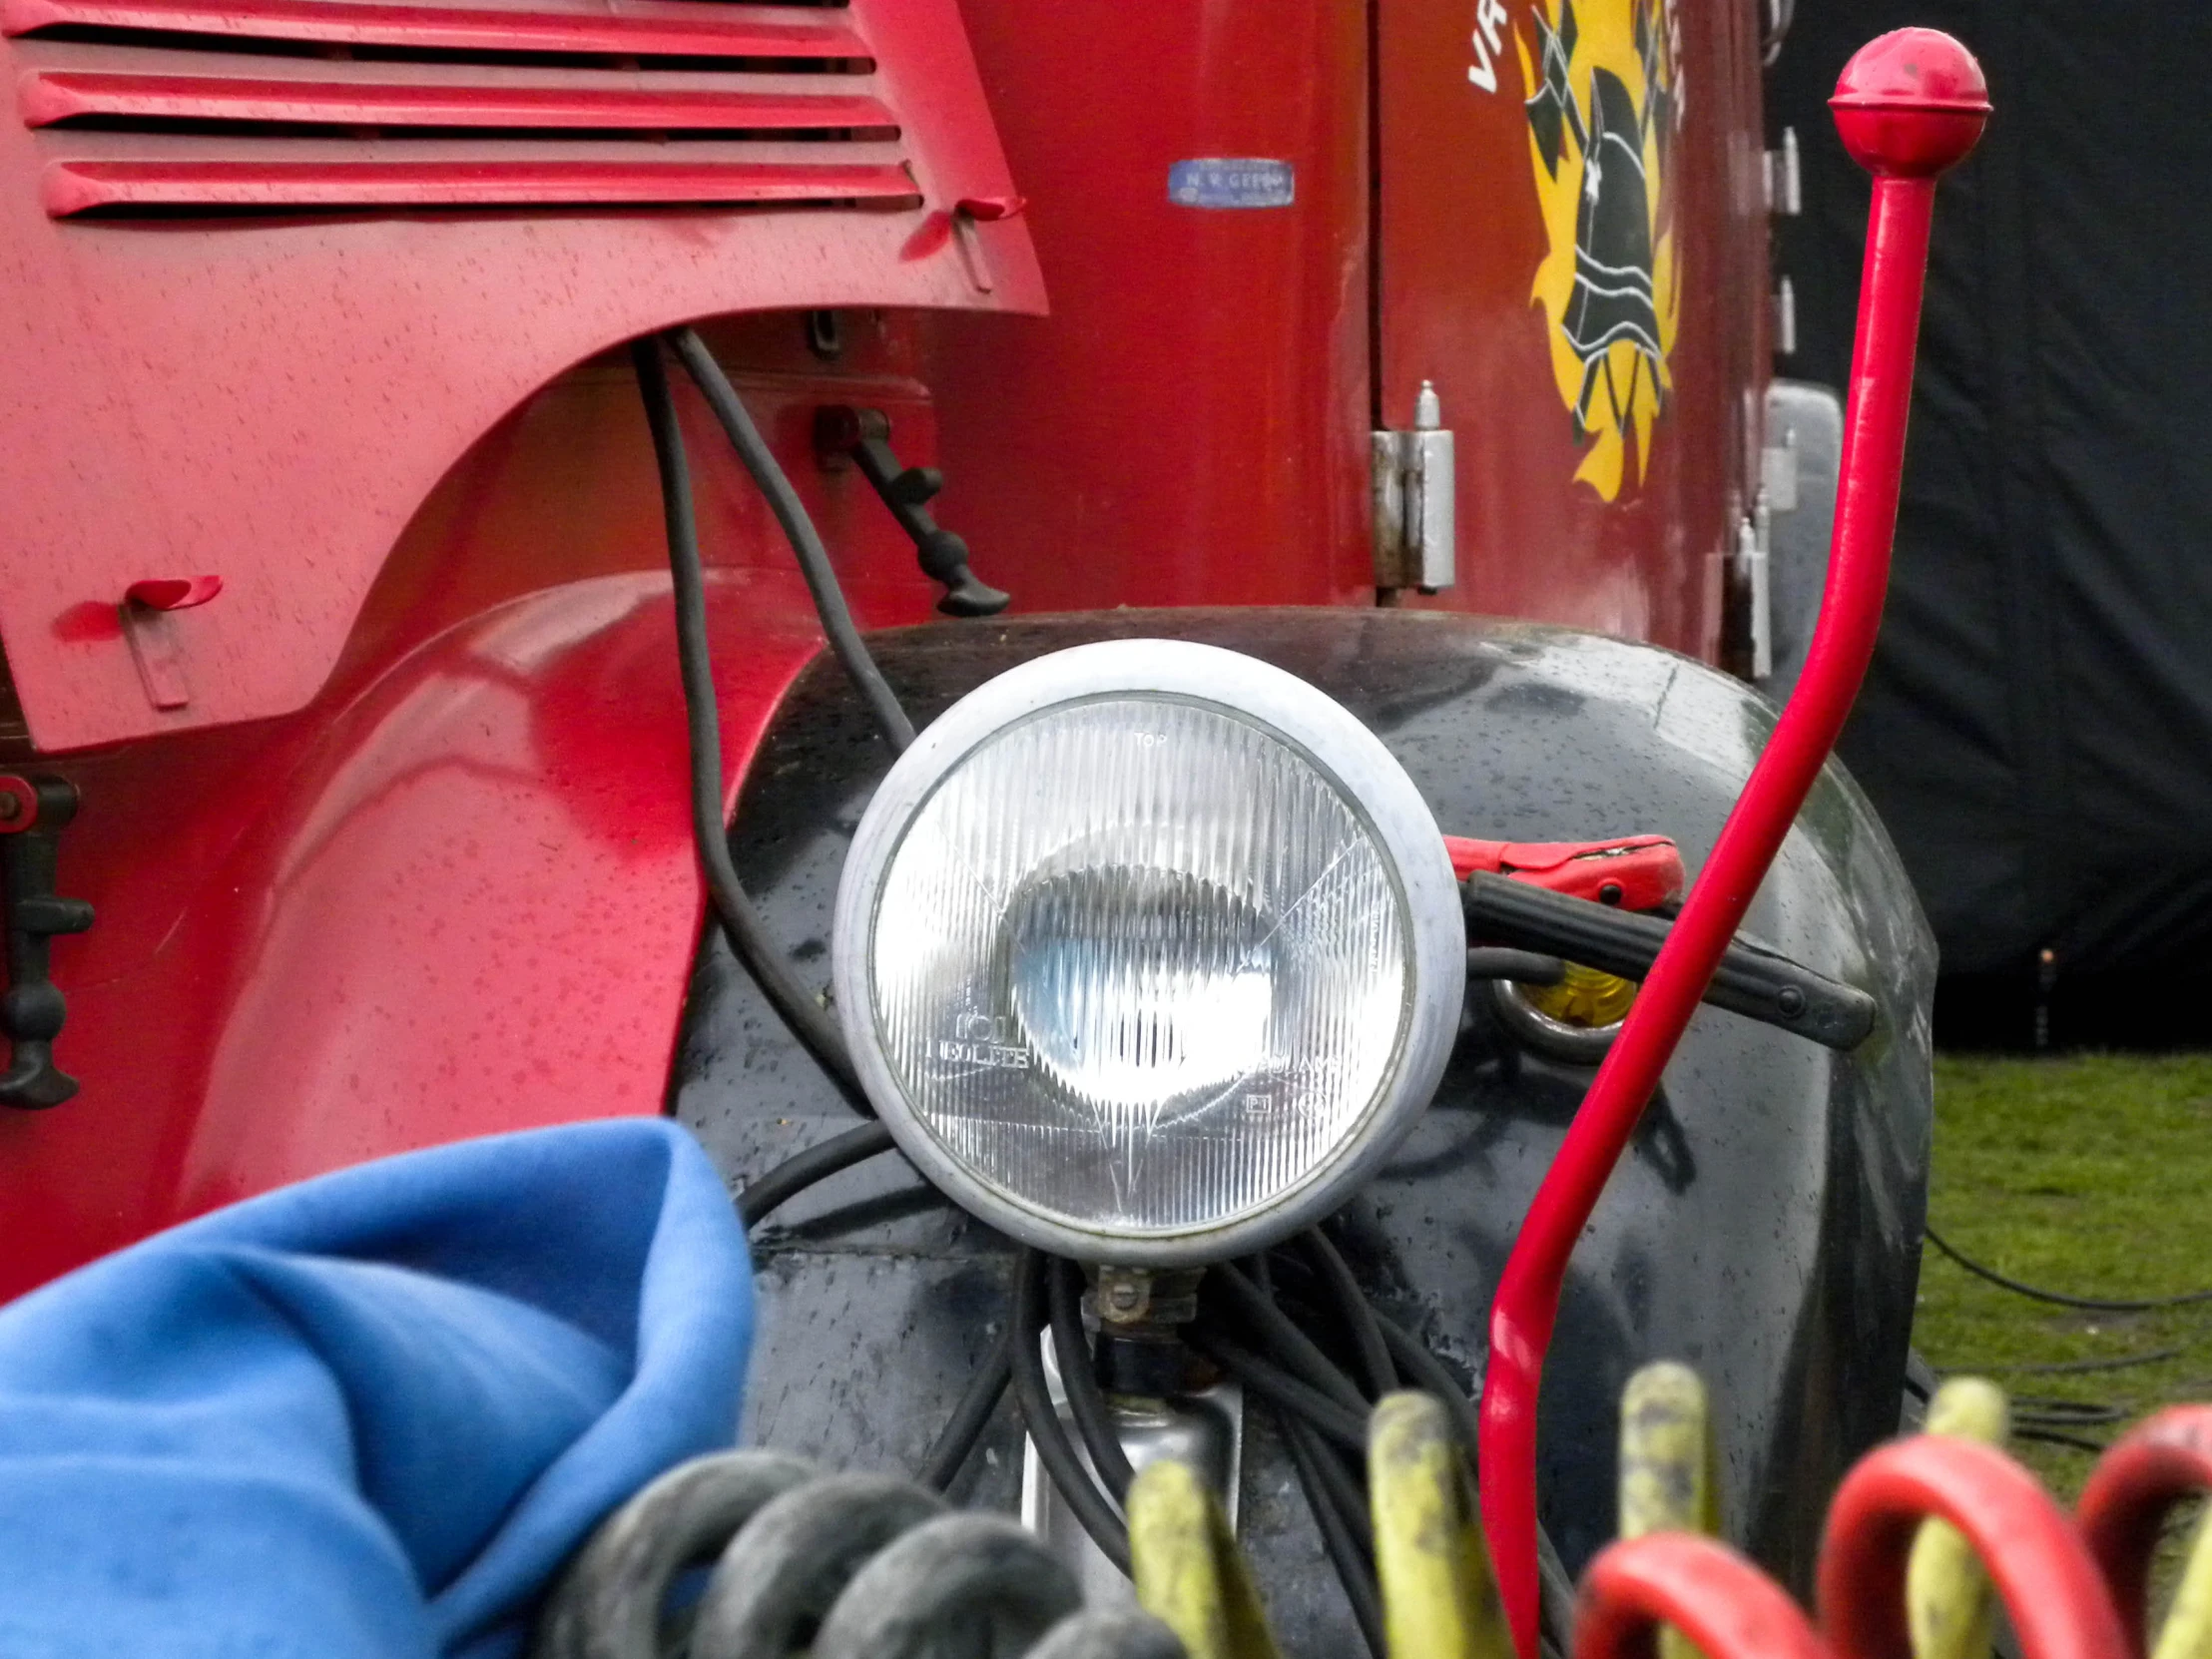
(1764, 1227)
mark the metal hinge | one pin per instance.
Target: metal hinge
(1785, 179)
(1416, 528)
(1785, 318)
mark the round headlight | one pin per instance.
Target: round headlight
(1148, 953)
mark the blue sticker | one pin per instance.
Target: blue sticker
(1222, 182)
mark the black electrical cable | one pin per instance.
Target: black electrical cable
(1423, 1371)
(1335, 1499)
(805, 1017)
(957, 1440)
(1046, 1433)
(2068, 1367)
(1334, 1273)
(2048, 1411)
(1352, 1560)
(817, 1162)
(1295, 1350)
(1281, 1390)
(798, 530)
(2060, 1299)
(1079, 1381)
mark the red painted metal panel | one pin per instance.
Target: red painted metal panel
(640, 30)
(82, 187)
(1192, 426)
(66, 95)
(1619, 525)
(456, 893)
(272, 396)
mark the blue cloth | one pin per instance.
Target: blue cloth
(368, 1416)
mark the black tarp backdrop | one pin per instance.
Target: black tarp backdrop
(2037, 725)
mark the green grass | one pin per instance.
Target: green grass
(2090, 1174)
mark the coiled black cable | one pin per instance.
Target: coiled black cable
(807, 1020)
(845, 1566)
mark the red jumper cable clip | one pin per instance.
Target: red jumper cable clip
(1635, 873)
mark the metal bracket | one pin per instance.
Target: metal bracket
(33, 813)
(151, 627)
(1203, 1430)
(1415, 510)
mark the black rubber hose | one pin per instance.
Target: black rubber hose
(817, 1162)
(957, 1440)
(1046, 1433)
(798, 530)
(1296, 1351)
(805, 1017)
(1086, 1401)
(1352, 1560)
(1100, 1633)
(1528, 968)
(2036, 1292)
(1283, 1391)
(963, 1583)
(1334, 1273)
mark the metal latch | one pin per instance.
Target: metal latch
(1785, 178)
(1416, 518)
(1754, 541)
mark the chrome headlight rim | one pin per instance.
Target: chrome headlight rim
(1349, 757)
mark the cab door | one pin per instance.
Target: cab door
(1570, 245)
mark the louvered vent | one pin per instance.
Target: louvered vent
(224, 106)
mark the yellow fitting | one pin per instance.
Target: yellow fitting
(1190, 1574)
(1584, 997)
(1439, 1600)
(2187, 1632)
(1668, 1480)
(1950, 1605)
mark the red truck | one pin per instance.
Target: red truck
(349, 802)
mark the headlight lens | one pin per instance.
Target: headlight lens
(1133, 969)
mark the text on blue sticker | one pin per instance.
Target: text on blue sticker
(1229, 182)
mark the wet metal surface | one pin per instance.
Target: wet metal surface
(1762, 1228)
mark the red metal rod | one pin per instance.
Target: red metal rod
(1909, 106)
(2125, 1504)
(2035, 1558)
(1727, 1607)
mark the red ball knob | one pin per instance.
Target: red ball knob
(1911, 104)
